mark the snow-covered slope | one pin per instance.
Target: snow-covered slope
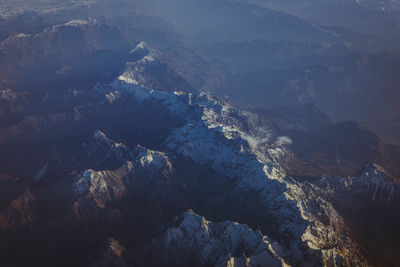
(234, 143)
(218, 244)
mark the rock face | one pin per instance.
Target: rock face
(324, 202)
(22, 212)
(372, 183)
(105, 153)
(151, 161)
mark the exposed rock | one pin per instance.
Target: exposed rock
(215, 244)
(321, 202)
(111, 255)
(152, 161)
(22, 212)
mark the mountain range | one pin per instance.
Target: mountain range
(187, 133)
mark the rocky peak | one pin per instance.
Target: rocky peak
(101, 184)
(142, 51)
(152, 161)
(372, 183)
(220, 244)
(102, 139)
(104, 153)
(89, 181)
(146, 69)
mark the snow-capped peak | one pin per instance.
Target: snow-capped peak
(219, 243)
(372, 182)
(90, 181)
(151, 160)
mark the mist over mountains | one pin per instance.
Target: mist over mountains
(199, 133)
